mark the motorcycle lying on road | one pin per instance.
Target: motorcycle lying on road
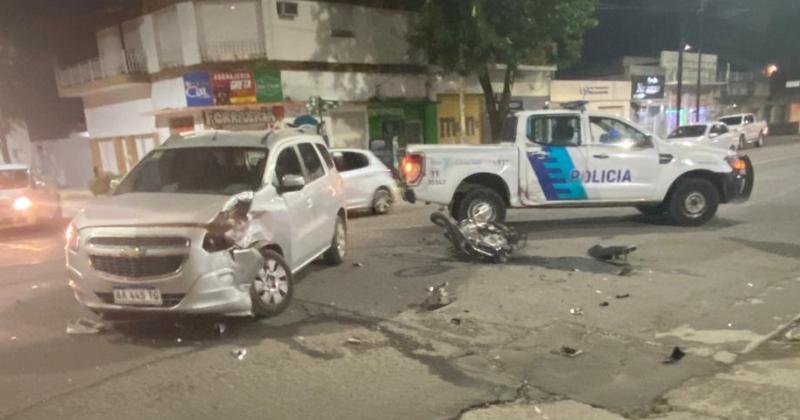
(485, 241)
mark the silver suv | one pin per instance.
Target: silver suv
(214, 222)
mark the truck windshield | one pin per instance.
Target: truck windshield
(688, 131)
(732, 120)
(12, 179)
(209, 170)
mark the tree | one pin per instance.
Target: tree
(11, 93)
(470, 37)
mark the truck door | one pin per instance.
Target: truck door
(623, 163)
(553, 159)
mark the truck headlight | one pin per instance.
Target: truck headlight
(22, 203)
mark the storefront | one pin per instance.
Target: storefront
(406, 120)
(608, 96)
(449, 122)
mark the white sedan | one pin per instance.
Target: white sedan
(368, 183)
(715, 134)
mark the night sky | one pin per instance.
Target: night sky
(751, 33)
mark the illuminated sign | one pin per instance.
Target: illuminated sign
(648, 87)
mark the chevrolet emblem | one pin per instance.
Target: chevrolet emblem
(133, 252)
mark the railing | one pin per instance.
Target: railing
(232, 51)
(105, 66)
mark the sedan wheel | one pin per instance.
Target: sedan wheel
(382, 202)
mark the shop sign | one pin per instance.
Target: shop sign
(595, 90)
(197, 87)
(262, 118)
(268, 85)
(648, 87)
(233, 88)
(793, 84)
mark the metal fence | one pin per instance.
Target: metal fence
(125, 62)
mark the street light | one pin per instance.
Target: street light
(772, 69)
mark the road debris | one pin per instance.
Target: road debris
(13, 338)
(85, 326)
(626, 271)
(456, 321)
(567, 351)
(484, 241)
(750, 285)
(358, 264)
(239, 353)
(576, 311)
(611, 253)
(793, 334)
(438, 297)
(676, 355)
(35, 286)
(354, 341)
(179, 340)
(623, 296)
(604, 304)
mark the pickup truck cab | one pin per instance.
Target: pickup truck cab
(746, 129)
(571, 158)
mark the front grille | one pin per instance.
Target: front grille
(141, 241)
(167, 300)
(137, 267)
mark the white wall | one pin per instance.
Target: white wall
(120, 113)
(187, 21)
(19, 144)
(109, 45)
(379, 34)
(301, 85)
(168, 94)
(168, 37)
(230, 30)
(529, 82)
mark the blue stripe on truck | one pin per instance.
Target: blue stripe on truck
(552, 172)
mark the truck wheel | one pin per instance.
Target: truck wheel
(742, 143)
(694, 202)
(272, 289)
(760, 141)
(335, 254)
(481, 204)
(652, 210)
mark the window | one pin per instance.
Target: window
(555, 131)
(680, 132)
(325, 155)
(714, 129)
(749, 119)
(723, 129)
(732, 120)
(311, 162)
(611, 131)
(287, 164)
(350, 161)
(287, 10)
(11, 179)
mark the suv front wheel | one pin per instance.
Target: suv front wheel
(694, 202)
(273, 287)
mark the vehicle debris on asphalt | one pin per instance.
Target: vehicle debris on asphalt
(623, 296)
(793, 334)
(576, 311)
(625, 271)
(85, 326)
(611, 253)
(676, 355)
(568, 351)
(484, 241)
(438, 297)
(354, 341)
(239, 353)
(604, 304)
(455, 321)
(358, 264)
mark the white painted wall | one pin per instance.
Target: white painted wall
(147, 30)
(530, 81)
(187, 22)
(19, 144)
(300, 85)
(379, 35)
(168, 37)
(168, 94)
(123, 112)
(109, 45)
(230, 30)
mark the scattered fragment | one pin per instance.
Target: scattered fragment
(84, 326)
(438, 297)
(179, 340)
(221, 328)
(599, 292)
(626, 271)
(793, 334)
(358, 264)
(13, 337)
(239, 353)
(623, 296)
(604, 304)
(301, 338)
(354, 341)
(611, 253)
(455, 321)
(730, 325)
(568, 351)
(749, 284)
(677, 354)
(576, 311)
(35, 286)
(497, 357)
(577, 270)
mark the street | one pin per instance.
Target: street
(354, 344)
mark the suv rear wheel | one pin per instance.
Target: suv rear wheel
(273, 287)
(694, 202)
(480, 204)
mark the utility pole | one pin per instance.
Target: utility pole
(680, 73)
(699, 58)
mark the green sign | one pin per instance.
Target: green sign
(268, 85)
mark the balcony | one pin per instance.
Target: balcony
(106, 68)
(232, 51)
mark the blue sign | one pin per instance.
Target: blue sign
(197, 86)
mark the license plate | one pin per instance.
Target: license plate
(138, 296)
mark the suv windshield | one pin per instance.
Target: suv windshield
(209, 170)
(11, 179)
(688, 131)
(732, 120)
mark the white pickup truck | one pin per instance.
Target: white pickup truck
(573, 158)
(746, 129)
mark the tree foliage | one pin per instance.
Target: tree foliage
(470, 37)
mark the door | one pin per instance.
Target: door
(320, 199)
(300, 212)
(355, 170)
(554, 160)
(623, 163)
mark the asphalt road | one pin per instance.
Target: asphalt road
(354, 345)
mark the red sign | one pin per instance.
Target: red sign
(236, 87)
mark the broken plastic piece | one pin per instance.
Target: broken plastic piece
(438, 297)
(455, 321)
(239, 353)
(568, 351)
(84, 326)
(626, 271)
(623, 296)
(677, 354)
(485, 241)
(576, 311)
(358, 264)
(611, 253)
(354, 340)
(604, 304)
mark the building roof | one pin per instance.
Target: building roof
(247, 139)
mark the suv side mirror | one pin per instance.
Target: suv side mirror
(291, 183)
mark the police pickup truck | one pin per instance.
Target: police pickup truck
(571, 158)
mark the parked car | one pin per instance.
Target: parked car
(746, 129)
(26, 199)
(714, 134)
(154, 246)
(368, 182)
(577, 159)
